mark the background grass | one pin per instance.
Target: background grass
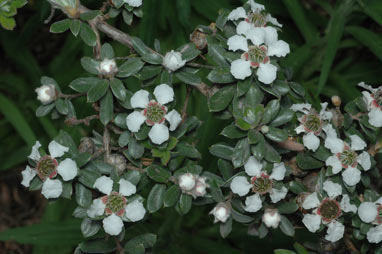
(334, 44)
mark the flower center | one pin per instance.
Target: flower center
(312, 123)
(379, 215)
(155, 113)
(329, 209)
(115, 203)
(46, 167)
(378, 98)
(348, 157)
(262, 184)
(257, 19)
(256, 55)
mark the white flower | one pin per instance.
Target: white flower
(154, 113)
(253, 203)
(173, 61)
(238, 13)
(134, 3)
(47, 168)
(374, 235)
(96, 209)
(135, 211)
(256, 56)
(333, 189)
(187, 181)
(46, 93)
(104, 184)
(112, 224)
(200, 189)
(367, 212)
(335, 231)
(346, 206)
(373, 102)
(311, 123)
(107, 67)
(271, 218)
(221, 212)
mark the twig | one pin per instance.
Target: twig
(52, 10)
(350, 245)
(120, 249)
(207, 90)
(201, 66)
(106, 141)
(70, 96)
(292, 145)
(134, 168)
(184, 110)
(74, 121)
(115, 129)
(97, 48)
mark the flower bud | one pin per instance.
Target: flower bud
(70, 7)
(221, 212)
(187, 181)
(86, 145)
(118, 161)
(271, 218)
(264, 129)
(336, 100)
(200, 187)
(134, 3)
(173, 61)
(108, 67)
(199, 38)
(46, 93)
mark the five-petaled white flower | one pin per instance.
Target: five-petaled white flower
(345, 156)
(327, 211)
(373, 102)
(260, 183)
(47, 168)
(154, 113)
(311, 123)
(370, 212)
(114, 205)
(256, 55)
(173, 60)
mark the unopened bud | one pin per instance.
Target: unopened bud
(108, 67)
(336, 100)
(221, 212)
(173, 61)
(264, 129)
(199, 38)
(46, 93)
(187, 181)
(118, 161)
(271, 218)
(200, 188)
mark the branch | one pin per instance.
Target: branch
(292, 145)
(74, 121)
(70, 96)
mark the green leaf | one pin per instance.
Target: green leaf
(221, 99)
(145, 52)
(255, 137)
(220, 76)
(127, 17)
(88, 177)
(89, 15)
(43, 110)
(135, 149)
(217, 52)
(106, 109)
(90, 227)
(83, 195)
(82, 85)
(149, 72)
(98, 245)
(222, 151)
(287, 207)
(271, 154)
(297, 187)
(286, 226)
(97, 91)
(226, 228)
(241, 218)
(17, 120)
(62, 106)
(284, 116)
(188, 77)
(185, 203)
(307, 162)
(188, 51)
(107, 51)
(368, 38)
(171, 196)
(187, 150)
(89, 64)
(130, 67)
(270, 111)
(124, 139)
(216, 192)
(7, 23)
(87, 35)
(155, 198)
(225, 169)
(231, 131)
(283, 251)
(118, 89)
(60, 26)
(75, 26)
(254, 97)
(241, 153)
(158, 173)
(147, 240)
(277, 135)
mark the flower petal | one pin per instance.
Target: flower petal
(325, 115)
(256, 35)
(277, 195)
(346, 206)
(374, 235)
(240, 186)
(67, 169)
(243, 27)
(174, 118)
(367, 212)
(335, 163)
(270, 35)
(96, 209)
(253, 167)
(368, 99)
(267, 73)
(237, 42)
(334, 144)
(241, 69)
(364, 160)
(301, 107)
(272, 20)
(238, 13)
(35, 154)
(333, 189)
(164, 93)
(279, 48)
(126, 188)
(255, 6)
(112, 224)
(311, 141)
(351, 176)
(135, 211)
(278, 172)
(28, 174)
(357, 143)
(253, 203)
(56, 149)
(311, 201)
(51, 188)
(104, 184)
(140, 99)
(335, 231)
(375, 117)
(134, 121)
(312, 222)
(159, 133)
(134, 3)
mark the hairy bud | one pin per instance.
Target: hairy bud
(173, 61)
(46, 93)
(221, 212)
(108, 67)
(118, 161)
(86, 145)
(271, 218)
